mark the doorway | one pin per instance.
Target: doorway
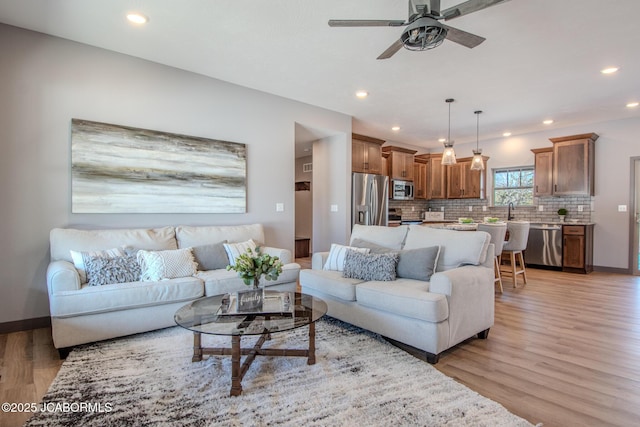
(634, 225)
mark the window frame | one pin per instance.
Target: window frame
(514, 169)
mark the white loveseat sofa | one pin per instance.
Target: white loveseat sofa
(82, 313)
(423, 317)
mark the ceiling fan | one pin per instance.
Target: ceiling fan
(423, 29)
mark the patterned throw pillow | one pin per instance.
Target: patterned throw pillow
(106, 271)
(335, 261)
(80, 259)
(234, 250)
(370, 266)
(169, 264)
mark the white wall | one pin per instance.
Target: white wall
(331, 187)
(47, 81)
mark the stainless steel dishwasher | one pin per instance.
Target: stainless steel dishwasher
(544, 247)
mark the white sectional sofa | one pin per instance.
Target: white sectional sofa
(423, 317)
(82, 313)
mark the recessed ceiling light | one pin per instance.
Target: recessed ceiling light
(395, 128)
(609, 70)
(362, 94)
(137, 18)
(442, 140)
(506, 134)
(632, 104)
(547, 122)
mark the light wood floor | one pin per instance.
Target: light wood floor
(564, 351)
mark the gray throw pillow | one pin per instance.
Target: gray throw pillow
(106, 271)
(374, 248)
(211, 257)
(370, 266)
(418, 264)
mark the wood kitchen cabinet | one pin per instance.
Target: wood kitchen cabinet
(400, 162)
(464, 183)
(573, 165)
(436, 176)
(420, 176)
(366, 154)
(543, 173)
(577, 248)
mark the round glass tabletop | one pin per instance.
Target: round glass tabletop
(282, 311)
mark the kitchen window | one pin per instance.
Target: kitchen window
(513, 185)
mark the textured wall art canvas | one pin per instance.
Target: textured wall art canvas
(120, 169)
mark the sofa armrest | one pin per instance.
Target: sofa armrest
(283, 254)
(62, 276)
(318, 259)
(470, 292)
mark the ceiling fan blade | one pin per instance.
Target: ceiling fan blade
(468, 7)
(391, 50)
(366, 23)
(462, 37)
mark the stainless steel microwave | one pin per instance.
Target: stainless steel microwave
(401, 190)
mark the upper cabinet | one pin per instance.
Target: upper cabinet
(464, 183)
(420, 176)
(437, 179)
(543, 176)
(400, 162)
(573, 165)
(366, 154)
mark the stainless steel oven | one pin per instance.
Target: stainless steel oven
(401, 190)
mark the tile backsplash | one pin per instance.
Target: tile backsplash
(457, 208)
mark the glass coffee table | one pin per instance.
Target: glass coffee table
(285, 311)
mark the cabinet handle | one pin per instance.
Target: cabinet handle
(536, 188)
(555, 187)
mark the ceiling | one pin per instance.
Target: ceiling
(542, 59)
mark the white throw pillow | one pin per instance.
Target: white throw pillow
(335, 261)
(234, 250)
(80, 259)
(169, 264)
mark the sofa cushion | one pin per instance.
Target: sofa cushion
(234, 250)
(190, 236)
(337, 253)
(390, 237)
(330, 282)
(81, 259)
(404, 297)
(457, 248)
(374, 248)
(120, 296)
(370, 266)
(218, 282)
(211, 257)
(106, 271)
(159, 265)
(64, 240)
(418, 264)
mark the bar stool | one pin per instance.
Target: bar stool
(497, 232)
(518, 238)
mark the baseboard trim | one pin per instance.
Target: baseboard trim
(25, 325)
(614, 270)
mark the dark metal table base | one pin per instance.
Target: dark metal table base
(236, 351)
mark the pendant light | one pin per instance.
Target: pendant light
(477, 163)
(449, 156)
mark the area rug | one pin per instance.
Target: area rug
(358, 379)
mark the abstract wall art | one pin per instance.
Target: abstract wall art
(120, 169)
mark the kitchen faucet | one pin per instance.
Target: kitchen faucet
(509, 216)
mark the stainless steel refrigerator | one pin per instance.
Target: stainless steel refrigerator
(370, 204)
